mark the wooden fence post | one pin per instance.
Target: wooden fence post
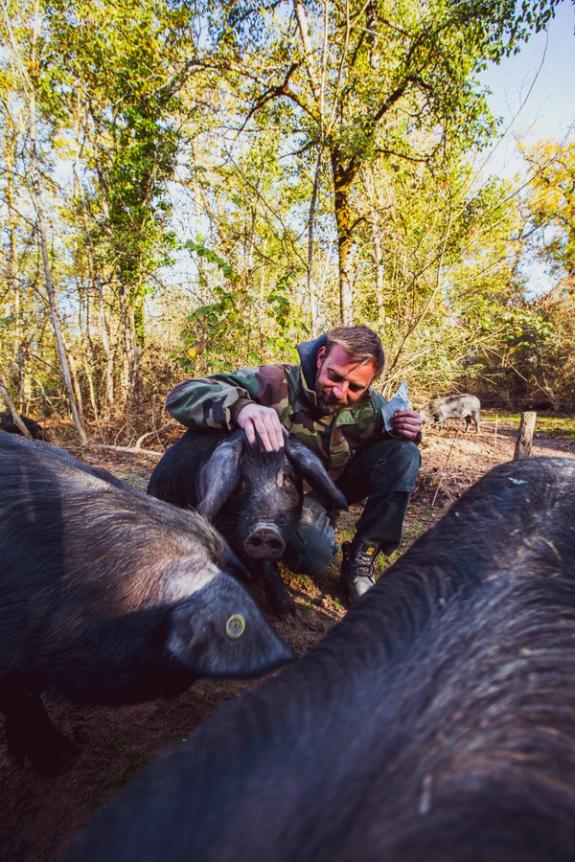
(525, 435)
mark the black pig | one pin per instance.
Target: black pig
(435, 722)
(7, 424)
(465, 406)
(108, 596)
(253, 497)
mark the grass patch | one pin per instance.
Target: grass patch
(548, 423)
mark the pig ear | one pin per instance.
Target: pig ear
(310, 467)
(219, 475)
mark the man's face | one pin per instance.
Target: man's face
(340, 381)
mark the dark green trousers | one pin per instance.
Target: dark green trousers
(384, 471)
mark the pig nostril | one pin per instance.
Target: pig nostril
(264, 543)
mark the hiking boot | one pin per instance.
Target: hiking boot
(358, 558)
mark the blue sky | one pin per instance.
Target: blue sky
(533, 93)
(549, 110)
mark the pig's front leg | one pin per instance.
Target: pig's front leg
(279, 601)
(30, 733)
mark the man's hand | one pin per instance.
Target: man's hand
(263, 421)
(406, 424)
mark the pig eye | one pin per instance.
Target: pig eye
(235, 626)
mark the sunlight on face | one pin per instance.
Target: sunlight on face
(340, 381)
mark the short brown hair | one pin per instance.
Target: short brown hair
(361, 344)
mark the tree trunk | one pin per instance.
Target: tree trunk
(34, 187)
(12, 285)
(13, 412)
(370, 181)
(343, 220)
(525, 435)
(109, 354)
(103, 327)
(75, 381)
(54, 317)
(128, 349)
(311, 286)
(48, 281)
(91, 387)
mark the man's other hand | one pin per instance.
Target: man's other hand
(406, 424)
(255, 419)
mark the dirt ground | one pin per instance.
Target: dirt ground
(41, 815)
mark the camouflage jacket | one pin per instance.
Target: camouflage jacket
(214, 402)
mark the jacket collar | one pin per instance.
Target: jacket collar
(307, 351)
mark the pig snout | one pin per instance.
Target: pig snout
(264, 542)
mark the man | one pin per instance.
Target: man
(327, 402)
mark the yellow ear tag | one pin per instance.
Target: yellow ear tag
(235, 626)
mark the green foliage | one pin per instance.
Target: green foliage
(221, 121)
(557, 426)
(278, 299)
(551, 425)
(551, 202)
(531, 360)
(219, 333)
(211, 257)
(121, 62)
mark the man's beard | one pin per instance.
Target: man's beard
(327, 404)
